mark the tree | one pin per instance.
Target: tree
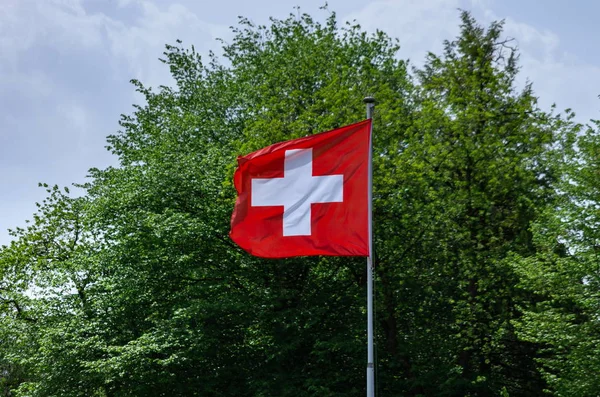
(563, 320)
(48, 274)
(471, 178)
(136, 289)
(174, 307)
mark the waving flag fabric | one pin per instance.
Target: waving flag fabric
(307, 196)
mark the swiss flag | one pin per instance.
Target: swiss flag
(307, 196)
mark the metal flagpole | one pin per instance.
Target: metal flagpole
(370, 102)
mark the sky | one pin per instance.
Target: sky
(65, 66)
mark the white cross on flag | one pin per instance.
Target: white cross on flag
(307, 196)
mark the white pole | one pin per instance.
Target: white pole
(370, 101)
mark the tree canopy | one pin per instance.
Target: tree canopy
(486, 228)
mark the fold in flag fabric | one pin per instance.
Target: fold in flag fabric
(307, 196)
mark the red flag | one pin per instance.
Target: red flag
(307, 196)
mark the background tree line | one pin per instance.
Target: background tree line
(487, 235)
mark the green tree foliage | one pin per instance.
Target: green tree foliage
(135, 289)
(472, 176)
(563, 320)
(48, 275)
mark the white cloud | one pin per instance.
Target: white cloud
(140, 44)
(76, 118)
(13, 39)
(65, 26)
(558, 76)
(421, 26)
(64, 72)
(541, 44)
(34, 84)
(58, 24)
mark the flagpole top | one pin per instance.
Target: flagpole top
(369, 99)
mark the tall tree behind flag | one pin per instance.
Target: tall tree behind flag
(307, 196)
